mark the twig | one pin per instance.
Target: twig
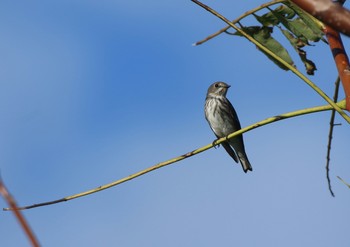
(263, 48)
(341, 104)
(344, 182)
(330, 135)
(25, 226)
(238, 19)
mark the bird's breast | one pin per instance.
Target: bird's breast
(218, 120)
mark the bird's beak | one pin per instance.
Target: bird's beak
(228, 86)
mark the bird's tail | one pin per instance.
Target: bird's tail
(243, 159)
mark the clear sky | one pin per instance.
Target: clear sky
(93, 91)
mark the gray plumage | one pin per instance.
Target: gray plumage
(223, 120)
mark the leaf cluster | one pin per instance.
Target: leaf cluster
(298, 27)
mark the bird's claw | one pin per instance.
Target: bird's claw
(215, 145)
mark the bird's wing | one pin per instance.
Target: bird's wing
(233, 114)
(230, 151)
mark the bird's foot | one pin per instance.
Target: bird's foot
(215, 145)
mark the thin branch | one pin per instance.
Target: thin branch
(223, 30)
(263, 48)
(341, 60)
(25, 226)
(330, 135)
(344, 182)
(187, 155)
(332, 14)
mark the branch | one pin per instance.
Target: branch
(187, 155)
(344, 182)
(332, 14)
(341, 60)
(237, 20)
(25, 226)
(330, 136)
(263, 48)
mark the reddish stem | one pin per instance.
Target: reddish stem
(11, 202)
(341, 60)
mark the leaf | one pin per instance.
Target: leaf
(310, 66)
(298, 27)
(267, 20)
(308, 20)
(304, 30)
(263, 35)
(297, 44)
(270, 19)
(289, 25)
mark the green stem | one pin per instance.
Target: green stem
(341, 104)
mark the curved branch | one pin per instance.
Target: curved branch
(330, 136)
(341, 104)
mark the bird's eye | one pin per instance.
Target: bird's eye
(216, 85)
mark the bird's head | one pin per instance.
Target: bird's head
(218, 88)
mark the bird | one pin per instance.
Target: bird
(223, 120)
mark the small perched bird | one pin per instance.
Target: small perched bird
(223, 120)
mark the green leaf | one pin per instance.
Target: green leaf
(267, 20)
(302, 30)
(263, 36)
(270, 19)
(297, 44)
(290, 25)
(298, 27)
(308, 20)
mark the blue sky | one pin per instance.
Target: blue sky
(93, 91)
